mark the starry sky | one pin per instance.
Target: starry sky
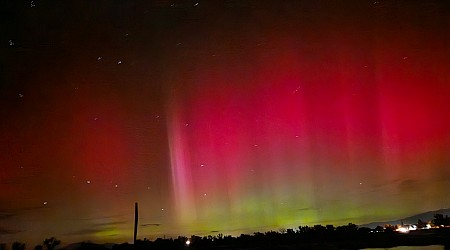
(229, 116)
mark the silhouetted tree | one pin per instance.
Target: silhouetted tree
(364, 230)
(51, 243)
(421, 224)
(18, 246)
(379, 229)
(38, 247)
(439, 220)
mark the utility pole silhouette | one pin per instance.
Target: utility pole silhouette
(135, 223)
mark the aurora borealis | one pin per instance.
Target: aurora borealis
(219, 116)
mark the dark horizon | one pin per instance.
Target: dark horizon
(428, 217)
(432, 233)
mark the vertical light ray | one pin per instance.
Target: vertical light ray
(179, 161)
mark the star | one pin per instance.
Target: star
(119, 62)
(45, 203)
(196, 4)
(20, 95)
(11, 43)
(99, 58)
(88, 182)
(32, 4)
(116, 186)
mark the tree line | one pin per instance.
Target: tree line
(348, 236)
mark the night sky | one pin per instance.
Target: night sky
(226, 116)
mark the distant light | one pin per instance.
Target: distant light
(45, 203)
(403, 230)
(162, 209)
(188, 242)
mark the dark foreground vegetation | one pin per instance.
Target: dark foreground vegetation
(317, 237)
(304, 237)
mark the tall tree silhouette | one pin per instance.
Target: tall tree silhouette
(440, 219)
(18, 246)
(51, 243)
